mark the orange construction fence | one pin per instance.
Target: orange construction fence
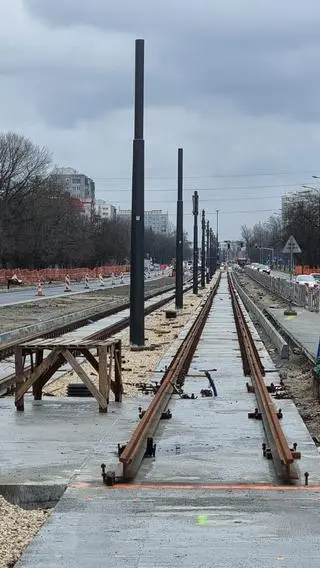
(59, 274)
(305, 270)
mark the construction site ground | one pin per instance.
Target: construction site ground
(164, 522)
(23, 314)
(43, 448)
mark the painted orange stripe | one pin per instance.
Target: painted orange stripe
(250, 487)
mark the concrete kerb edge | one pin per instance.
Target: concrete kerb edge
(280, 344)
(33, 496)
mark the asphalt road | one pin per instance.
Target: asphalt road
(22, 295)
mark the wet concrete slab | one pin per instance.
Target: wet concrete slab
(211, 439)
(164, 527)
(304, 328)
(53, 439)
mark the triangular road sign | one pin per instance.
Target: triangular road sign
(291, 246)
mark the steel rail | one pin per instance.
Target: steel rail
(135, 450)
(6, 383)
(281, 453)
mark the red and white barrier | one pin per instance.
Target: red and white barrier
(40, 291)
(67, 283)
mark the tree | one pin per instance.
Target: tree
(21, 164)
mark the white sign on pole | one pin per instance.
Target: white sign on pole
(291, 246)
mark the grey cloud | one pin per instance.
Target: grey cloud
(263, 60)
(234, 83)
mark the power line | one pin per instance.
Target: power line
(221, 188)
(220, 176)
(273, 210)
(214, 200)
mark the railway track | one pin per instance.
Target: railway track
(7, 382)
(273, 441)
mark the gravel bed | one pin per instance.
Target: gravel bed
(138, 366)
(296, 372)
(17, 527)
(21, 315)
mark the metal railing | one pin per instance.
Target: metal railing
(299, 295)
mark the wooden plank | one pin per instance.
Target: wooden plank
(19, 365)
(53, 369)
(104, 379)
(34, 344)
(37, 388)
(117, 373)
(38, 372)
(92, 360)
(84, 377)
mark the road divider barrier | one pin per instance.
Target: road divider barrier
(300, 295)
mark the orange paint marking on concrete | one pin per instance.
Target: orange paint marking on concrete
(82, 485)
(212, 487)
(240, 487)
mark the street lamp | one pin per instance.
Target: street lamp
(317, 191)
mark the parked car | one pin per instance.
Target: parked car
(316, 276)
(264, 268)
(307, 280)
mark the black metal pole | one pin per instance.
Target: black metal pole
(208, 252)
(211, 254)
(203, 249)
(217, 237)
(137, 211)
(195, 199)
(179, 234)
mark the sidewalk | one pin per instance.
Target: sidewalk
(304, 329)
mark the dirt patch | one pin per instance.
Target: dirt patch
(30, 313)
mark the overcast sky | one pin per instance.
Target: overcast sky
(233, 82)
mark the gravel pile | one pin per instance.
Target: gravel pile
(139, 366)
(17, 527)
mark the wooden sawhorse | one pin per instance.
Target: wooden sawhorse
(106, 363)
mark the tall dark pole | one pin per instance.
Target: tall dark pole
(211, 254)
(218, 255)
(137, 211)
(195, 199)
(179, 235)
(203, 249)
(208, 252)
